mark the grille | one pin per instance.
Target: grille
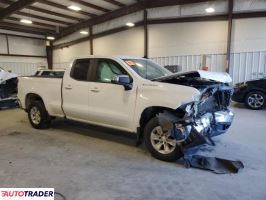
(220, 100)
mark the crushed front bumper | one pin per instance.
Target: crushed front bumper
(213, 124)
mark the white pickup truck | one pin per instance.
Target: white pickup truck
(134, 95)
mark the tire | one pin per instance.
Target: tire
(38, 116)
(151, 127)
(255, 100)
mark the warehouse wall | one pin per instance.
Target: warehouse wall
(130, 42)
(187, 38)
(186, 44)
(249, 35)
(69, 53)
(22, 46)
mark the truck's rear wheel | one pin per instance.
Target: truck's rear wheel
(38, 116)
(160, 145)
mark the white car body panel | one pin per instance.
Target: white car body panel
(48, 89)
(215, 76)
(112, 106)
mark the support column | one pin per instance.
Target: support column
(7, 44)
(146, 35)
(229, 35)
(91, 40)
(49, 54)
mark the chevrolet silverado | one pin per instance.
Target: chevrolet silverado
(133, 95)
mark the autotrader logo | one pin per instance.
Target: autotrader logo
(26, 193)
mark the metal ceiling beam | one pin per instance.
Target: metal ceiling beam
(43, 18)
(26, 29)
(18, 5)
(161, 3)
(103, 18)
(63, 7)
(141, 5)
(34, 23)
(53, 13)
(21, 55)
(90, 5)
(249, 15)
(45, 11)
(114, 2)
(22, 36)
(222, 17)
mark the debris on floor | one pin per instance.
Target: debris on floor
(216, 165)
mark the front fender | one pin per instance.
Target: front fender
(157, 94)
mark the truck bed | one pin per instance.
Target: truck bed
(49, 89)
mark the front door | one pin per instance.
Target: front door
(111, 104)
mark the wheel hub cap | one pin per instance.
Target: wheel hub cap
(162, 142)
(35, 115)
(255, 100)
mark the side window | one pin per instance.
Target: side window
(107, 69)
(80, 70)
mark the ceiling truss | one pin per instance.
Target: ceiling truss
(54, 18)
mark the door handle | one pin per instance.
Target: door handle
(95, 90)
(68, 88)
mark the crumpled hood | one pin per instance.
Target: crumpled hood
(4, 76)
(222, 77)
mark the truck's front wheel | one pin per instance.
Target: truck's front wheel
(38, 116)
(160, 144)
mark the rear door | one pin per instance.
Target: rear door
(75, 90)
(110, 104)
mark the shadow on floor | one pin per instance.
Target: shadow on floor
(95, 131)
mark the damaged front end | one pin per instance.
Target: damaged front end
(197, 122)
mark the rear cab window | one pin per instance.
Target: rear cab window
(81, 70)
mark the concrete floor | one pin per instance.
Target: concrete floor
(84, 162)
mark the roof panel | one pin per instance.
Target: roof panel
(48, 16)
(58, 10)
(29, 25)
(84, 8)
(39, 20)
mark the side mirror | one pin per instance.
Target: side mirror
(122, 80)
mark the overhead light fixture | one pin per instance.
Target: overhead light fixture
(50, 38)
(84, 32)
(130, 24)
(210, 10)
(76, 8)
(26, 21)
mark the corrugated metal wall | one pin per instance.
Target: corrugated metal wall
(244, 66)
(248, 66)
(215, 62)
(21, 68)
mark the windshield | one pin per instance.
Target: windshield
(146, 68)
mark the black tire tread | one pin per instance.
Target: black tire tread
(45, 118)
(253, 92)
(173, 156)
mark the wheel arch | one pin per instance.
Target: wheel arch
(30, 97)
(254, 90)
(150, 112)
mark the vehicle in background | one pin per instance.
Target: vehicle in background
(251, 93)
(55, 73)
(8, 84)
(170, 111)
